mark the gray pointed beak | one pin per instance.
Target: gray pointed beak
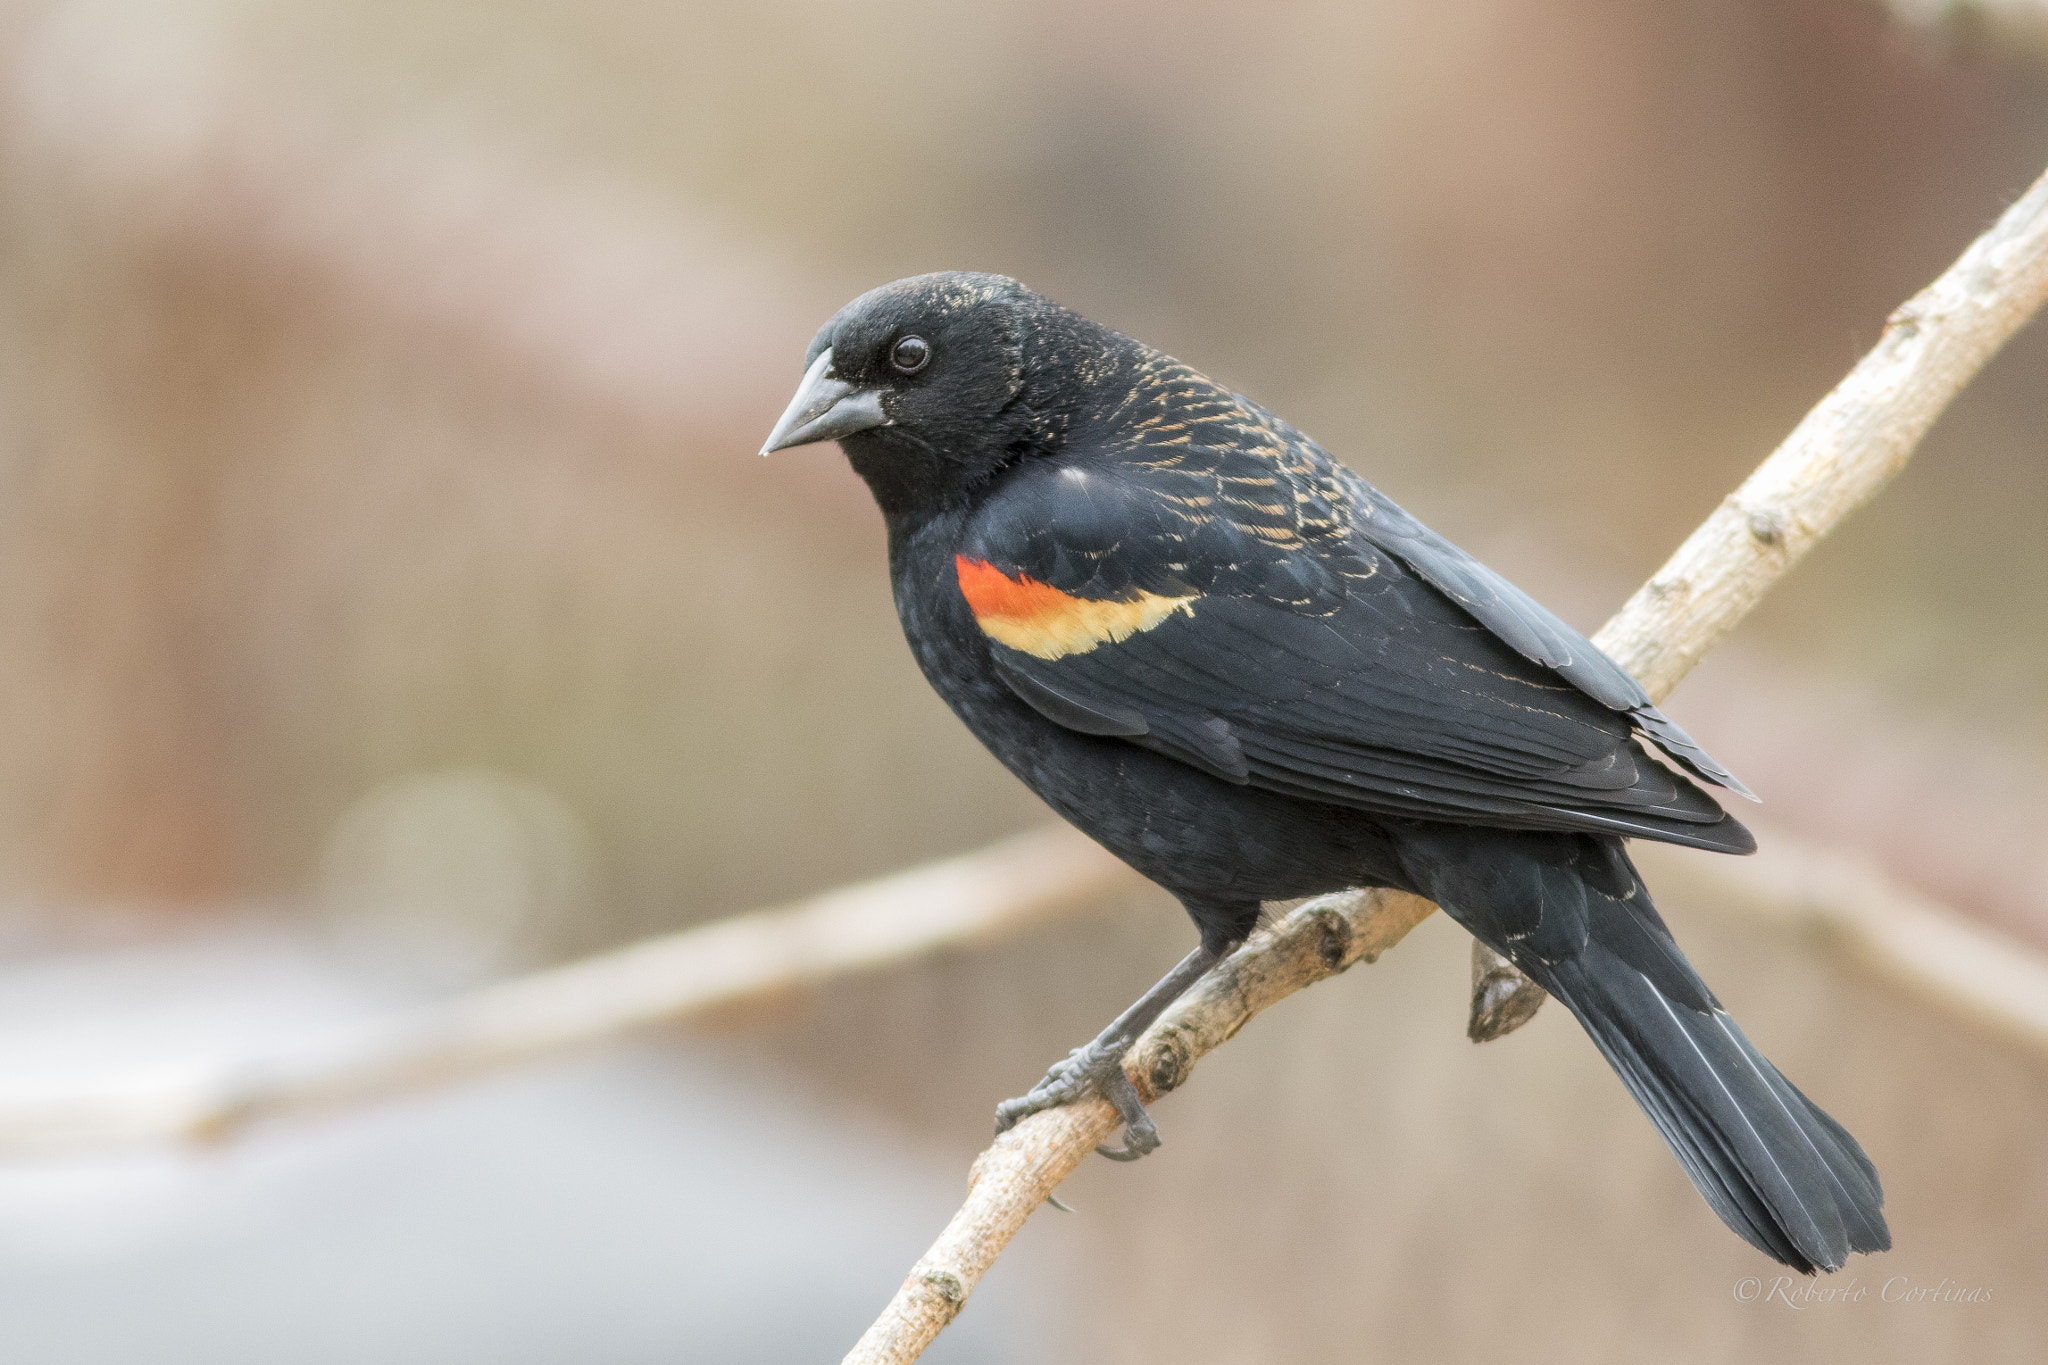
(825, 409)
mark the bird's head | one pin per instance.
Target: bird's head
(934, 383)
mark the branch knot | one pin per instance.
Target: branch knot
(1333, 938)
(1168, 1060)
(945, 1284)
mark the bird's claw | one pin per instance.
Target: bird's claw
(1141, 1135)
(1080, 1073)
(1088, 1071)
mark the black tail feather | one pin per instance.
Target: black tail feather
(1772, 1164)
(1571, 913)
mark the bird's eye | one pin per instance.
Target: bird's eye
(910, 354)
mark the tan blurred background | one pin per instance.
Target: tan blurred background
(385, 571)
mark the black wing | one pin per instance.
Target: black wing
(1207, 583)
(1527, 625)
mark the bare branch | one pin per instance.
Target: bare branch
(1845, 450)
(1849, 447)
(1028, 879)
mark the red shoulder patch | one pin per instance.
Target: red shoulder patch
(1038, 619)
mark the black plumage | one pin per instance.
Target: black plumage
(1249, 674)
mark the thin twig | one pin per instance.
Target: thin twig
(1025, 880)
(1846, 449)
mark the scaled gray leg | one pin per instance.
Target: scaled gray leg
(1098, 1068)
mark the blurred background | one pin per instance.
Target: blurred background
(390, 599)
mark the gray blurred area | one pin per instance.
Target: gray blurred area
(656, 1205)
(386, 572)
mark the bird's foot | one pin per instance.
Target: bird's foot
(1089, 1070)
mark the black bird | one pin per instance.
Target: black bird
(1247, 673)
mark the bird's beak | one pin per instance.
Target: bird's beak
(825, 409)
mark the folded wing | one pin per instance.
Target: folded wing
(1242, 604)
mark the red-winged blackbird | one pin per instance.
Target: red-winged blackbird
(1247, 673)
